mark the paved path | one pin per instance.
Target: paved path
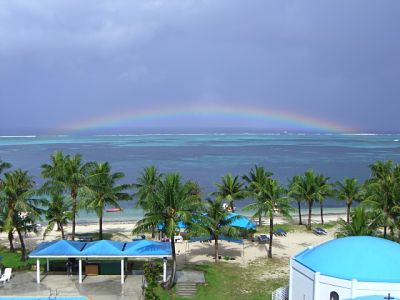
(99, 287)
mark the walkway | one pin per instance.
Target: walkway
(102, 287)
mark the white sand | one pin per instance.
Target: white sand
(283, 247)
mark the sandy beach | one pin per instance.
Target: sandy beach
(197, 252)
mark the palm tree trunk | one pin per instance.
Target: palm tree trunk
(348, 212)
(259, 220)
(231, 205)
(171, 281)
(322, 213)
(384, 231)
(309, 215)
(216, 248)
(271, 234)
(62, 230)
(153, 231)
(101, 227)
(73, 196)
(23, 248)
(10, 239)
(298, 204)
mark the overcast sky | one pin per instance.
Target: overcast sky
(63, 62)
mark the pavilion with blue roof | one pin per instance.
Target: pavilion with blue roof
(104, 249)
(359, 267)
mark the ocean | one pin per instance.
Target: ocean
(206, 157)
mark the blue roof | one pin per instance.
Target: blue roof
(58, 248)
(147, 247)
(103, 248)
(241, 221)
(364, 258)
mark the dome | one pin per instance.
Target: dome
(363, 258)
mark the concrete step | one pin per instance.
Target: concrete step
(186, 289)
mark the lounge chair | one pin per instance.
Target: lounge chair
(262, 238)
(319, 231)
(280, 232)
(6, 276)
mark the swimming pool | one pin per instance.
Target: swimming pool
(44, 298)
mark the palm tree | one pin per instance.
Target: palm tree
(362, 223)
(273, 201)
(102, 190)
(255, 180)
(230, 189)
(323, 189)
(146, 188)
(293, 195)
(217, 222)
(16, 197)
(5, 165)
(349, 191)
(304, 188)
(66, 173)
(175, 202)
(58, 213)
(382, 193)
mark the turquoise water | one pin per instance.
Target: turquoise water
(206, 157)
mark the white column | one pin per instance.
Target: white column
(47, 265)
(122, 271)
(165, 269)
(316, 285)
(80, 270)
(37, 270)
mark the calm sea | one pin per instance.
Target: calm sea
(206, 157)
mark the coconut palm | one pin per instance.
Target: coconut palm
(382, 194)
(102, 190)
(274, 201)
(304, 188)
(58, 214)
(293, 195)
(349, 191)
(230, 189)
(362, 223)
(3, 166)
(175, 202)
(16, 197)
(68, 174)
(216, 222)
(323, 189)
(255, 181)
(145, 188)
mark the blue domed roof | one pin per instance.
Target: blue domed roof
(363, 258)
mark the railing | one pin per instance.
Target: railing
(281, 294)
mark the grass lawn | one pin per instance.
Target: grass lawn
(13, 260)
(230, 281)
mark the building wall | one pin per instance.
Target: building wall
(308, 285)
(301, 282)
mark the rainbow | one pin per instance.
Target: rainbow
(257, 117)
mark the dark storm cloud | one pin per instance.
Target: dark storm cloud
(62, 61)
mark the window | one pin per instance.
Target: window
(334, 296)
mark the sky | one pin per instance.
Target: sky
(69, 66)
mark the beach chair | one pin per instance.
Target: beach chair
(280, 232)
(6, 276)
(319, 231)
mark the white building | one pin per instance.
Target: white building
(358, 267)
